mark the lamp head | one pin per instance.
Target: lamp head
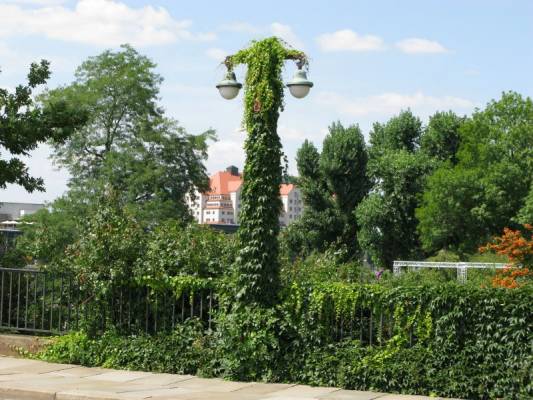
(229, 87)
(299, 85)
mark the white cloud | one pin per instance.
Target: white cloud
(391, 103)
(224, 153)
(288, 133)
(36, 2)
(348, 40)
(286, 33)
(278, 29)
(241, 27)
(418, 45)
(12, 61)
(216, 54)
(97, 22)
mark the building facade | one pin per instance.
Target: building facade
(222, 204)
(15, 211)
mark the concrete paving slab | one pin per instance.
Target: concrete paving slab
(162, 379)
(9, 363)
(211, 385)
(352, 395)
(118, 376)
(87, 394)
(77, 371)
(40, 368)
(45, 381)
(301, 391)
(405, 397)
(263, 388)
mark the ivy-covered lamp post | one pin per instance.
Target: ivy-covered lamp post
(257, 263)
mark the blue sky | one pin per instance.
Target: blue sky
(369, 59)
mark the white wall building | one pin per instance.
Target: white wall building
(15, 211)
(221, 205)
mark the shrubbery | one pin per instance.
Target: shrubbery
(449, 340)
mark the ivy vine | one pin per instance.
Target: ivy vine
(257, 267)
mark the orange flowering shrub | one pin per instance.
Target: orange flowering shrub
(518, 247)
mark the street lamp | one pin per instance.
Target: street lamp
(257, 277)
(299, 85)
(229, 87)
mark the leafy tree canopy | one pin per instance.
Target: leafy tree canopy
(24, 123)
(333, 183)
(489, 187)
(128, 144)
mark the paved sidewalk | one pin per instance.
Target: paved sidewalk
(38, 380)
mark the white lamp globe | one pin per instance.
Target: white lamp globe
(300, 86)
(229, 87)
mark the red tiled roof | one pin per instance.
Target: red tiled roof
(285, 189)
(224, 182)
(219, 182)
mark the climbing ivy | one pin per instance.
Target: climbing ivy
(257, 267)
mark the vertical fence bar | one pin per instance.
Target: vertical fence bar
(120, 309)
(2, 301)
(146, 317)
(173, 312)
(129, 308)
(43, 301)
(27, 295)
(10, 296)
(201, 307)
(182, 307)
(18, 300)
(370, 327)
(381, 327)
(155, 313)
(35, 308)
(69, 304)
(192, 304)
(210, 308)
(60, 303)
(361, 325)
(52, 278)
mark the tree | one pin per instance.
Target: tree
(48, 232)
(128, 144)
(487, 189)
(402, 132)
(450, 216)
(343, 164)
(398, 171)
(387, 216)
(257, 266)
(525, 215)
(24, 124)
(441, 137)
(333, 183)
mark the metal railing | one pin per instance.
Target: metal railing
(35, 301)
(461, 267)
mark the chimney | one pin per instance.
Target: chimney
(233, 170)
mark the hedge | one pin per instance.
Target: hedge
(448, 340)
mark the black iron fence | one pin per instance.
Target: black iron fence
(35, 301)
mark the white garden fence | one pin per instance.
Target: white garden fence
(461, 267)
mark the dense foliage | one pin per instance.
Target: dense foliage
(447, 340)
(257, 275)
(24, 124)
(128, 144)
(487, 190)
(333, 183)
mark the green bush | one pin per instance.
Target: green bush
(182, 351)
(446, 340)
